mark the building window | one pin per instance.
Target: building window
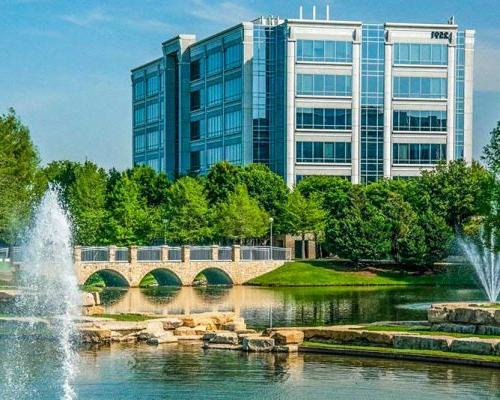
(139, 115)
(195, 131)
(420, 54)
(419, 121)
(214, 94)
(139, 143)
(324, 85)
(324, 118)
(418, 153)
(232, 122)
(232, 90)
(153, 139)
(153, 84)
(139, 89)
(152, 112)
(214, 155)
(214, 63)
(195, 70)
(195, 161)
(233, 153)
(323, 152)
(420, 87)
(232, 56)
(324, 51)
(195, 100)
(214, 126)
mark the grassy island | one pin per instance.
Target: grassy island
(330, 273)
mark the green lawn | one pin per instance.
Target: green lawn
(388, 350)
(327, 273)
(127, 317)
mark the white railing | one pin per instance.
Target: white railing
(4, 253)
(201, 253)
(281, 253)
(251, 253)
(95, 254)
(225, 254)
(174, 254)
(122, 254)
(149, 253)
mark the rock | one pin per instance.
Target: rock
(209, 336)
(201, 319)
(88, 300)
(190, 337)
(285, 337)
(246, 332)
(469, 315)
(488, 330)
(290, 348)
(92, 310)
(497, 317)
(381, 338)
(234, 326)
(420, 342)
(184, 331)
(95, 335)
(97, 298)
(167, 337)
(455, 328)
(258, 344)
(341, 334)
(171, 323)
(437, 314)
(200, 329)
(222, 346)
(474, 346)
(225, 338)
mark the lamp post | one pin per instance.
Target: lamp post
(165, 222)
(271, 220)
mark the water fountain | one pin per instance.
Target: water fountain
(50, 292)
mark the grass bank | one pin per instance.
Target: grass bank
(408, 354)
(127, 317)
(330, 273)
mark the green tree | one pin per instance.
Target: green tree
(188, 215)
(270, 191)
(492, 150)
(359, 231)
(241, 217)
(438, 237)
(87, 201)
(305, 215)
(152, 185)
(221, 181)
(18, 170)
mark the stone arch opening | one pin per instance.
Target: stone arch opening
(107, 278)
(160, 277)
(213, 276)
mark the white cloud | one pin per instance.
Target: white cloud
(90, 18)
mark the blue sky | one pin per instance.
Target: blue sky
(65, 64)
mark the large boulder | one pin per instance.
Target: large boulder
(289, 348)
(488, 330)
(167, 337)
(421, 342)
(171, 323)
(88, 300)
(258, 344)
(285, 337)
(474, 346)
(154, 329)
(437, 314)
(95, 335)
(225, 338)
(184, 331)
(454, 328)
(379, 338)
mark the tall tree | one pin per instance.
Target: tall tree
(221, 181)
(152, 185)
(240, 217)
(18, 168)
(187, 213)
(492, 150)
(305, 215)
(438, 237)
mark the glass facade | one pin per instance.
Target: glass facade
(420, 54)
(323, 152)
(459, 96)
(372, 103)
(324, 85)
(420, 87)
(324, 51)
(418, 153)
(324, 118)
(419, 121)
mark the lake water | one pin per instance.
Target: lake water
(185, 371)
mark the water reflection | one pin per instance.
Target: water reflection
(290, 306)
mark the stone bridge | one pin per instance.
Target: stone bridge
(177, 265)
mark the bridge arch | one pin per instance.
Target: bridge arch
(107, 276)
(162, 276)
(214, 276)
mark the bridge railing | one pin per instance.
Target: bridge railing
(94, 254)
(175, 253)
(201, 253)
(122, 254)
(225, 253)
(149, 253)
(4, 253)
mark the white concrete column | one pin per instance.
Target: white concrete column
(450, 108)
(290, 113)
(77, 254)
(388, 106)
(356, 107)
(112, 253)
(468, 94)
(164, 252)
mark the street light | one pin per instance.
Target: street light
(271, 220)
(165, 222)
